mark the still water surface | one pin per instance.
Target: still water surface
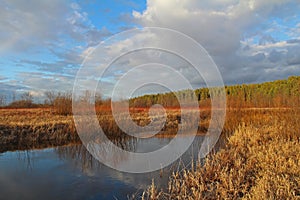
(70, 172)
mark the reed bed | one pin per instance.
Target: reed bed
(41, 127)
(30, 128)
(34, 128)
(261, 160)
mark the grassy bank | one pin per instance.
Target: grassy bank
(261, 161)
(34, 128)
(42, 127)
(52, 123)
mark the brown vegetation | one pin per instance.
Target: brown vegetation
(34, 128)
(261, 161)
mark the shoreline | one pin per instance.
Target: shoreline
(22, 129)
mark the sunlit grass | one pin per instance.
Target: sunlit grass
(260, 161)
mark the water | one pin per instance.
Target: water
(70, 172)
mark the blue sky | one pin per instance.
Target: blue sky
(43, 43)
(107, 13)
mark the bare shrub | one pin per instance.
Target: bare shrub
(63, 104)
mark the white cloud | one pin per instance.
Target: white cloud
(45, 36)
(237, 33)
(250, 40)
(24, 27)
(27, 25)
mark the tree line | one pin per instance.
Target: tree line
(279, 93)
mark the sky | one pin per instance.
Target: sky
(43, 43)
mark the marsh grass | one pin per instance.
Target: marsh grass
(261, 160)
(34, 128)
(31, 128)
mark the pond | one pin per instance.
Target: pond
(70, 172)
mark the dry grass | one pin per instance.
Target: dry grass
(261, 161)
(34, 128)
(34, 116)
(20, 126)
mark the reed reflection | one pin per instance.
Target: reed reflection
(81, 157)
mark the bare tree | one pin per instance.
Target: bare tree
(2, 100)
(51, 96)
(98, 99)
(86, 98)
(26, 101)
(27, 97)
(13, 98)
(63, 103)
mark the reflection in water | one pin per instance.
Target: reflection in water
(80, 155)
(26, 158)
(70, 172)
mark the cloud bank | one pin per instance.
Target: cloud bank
(251, 41)
(43, 43)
